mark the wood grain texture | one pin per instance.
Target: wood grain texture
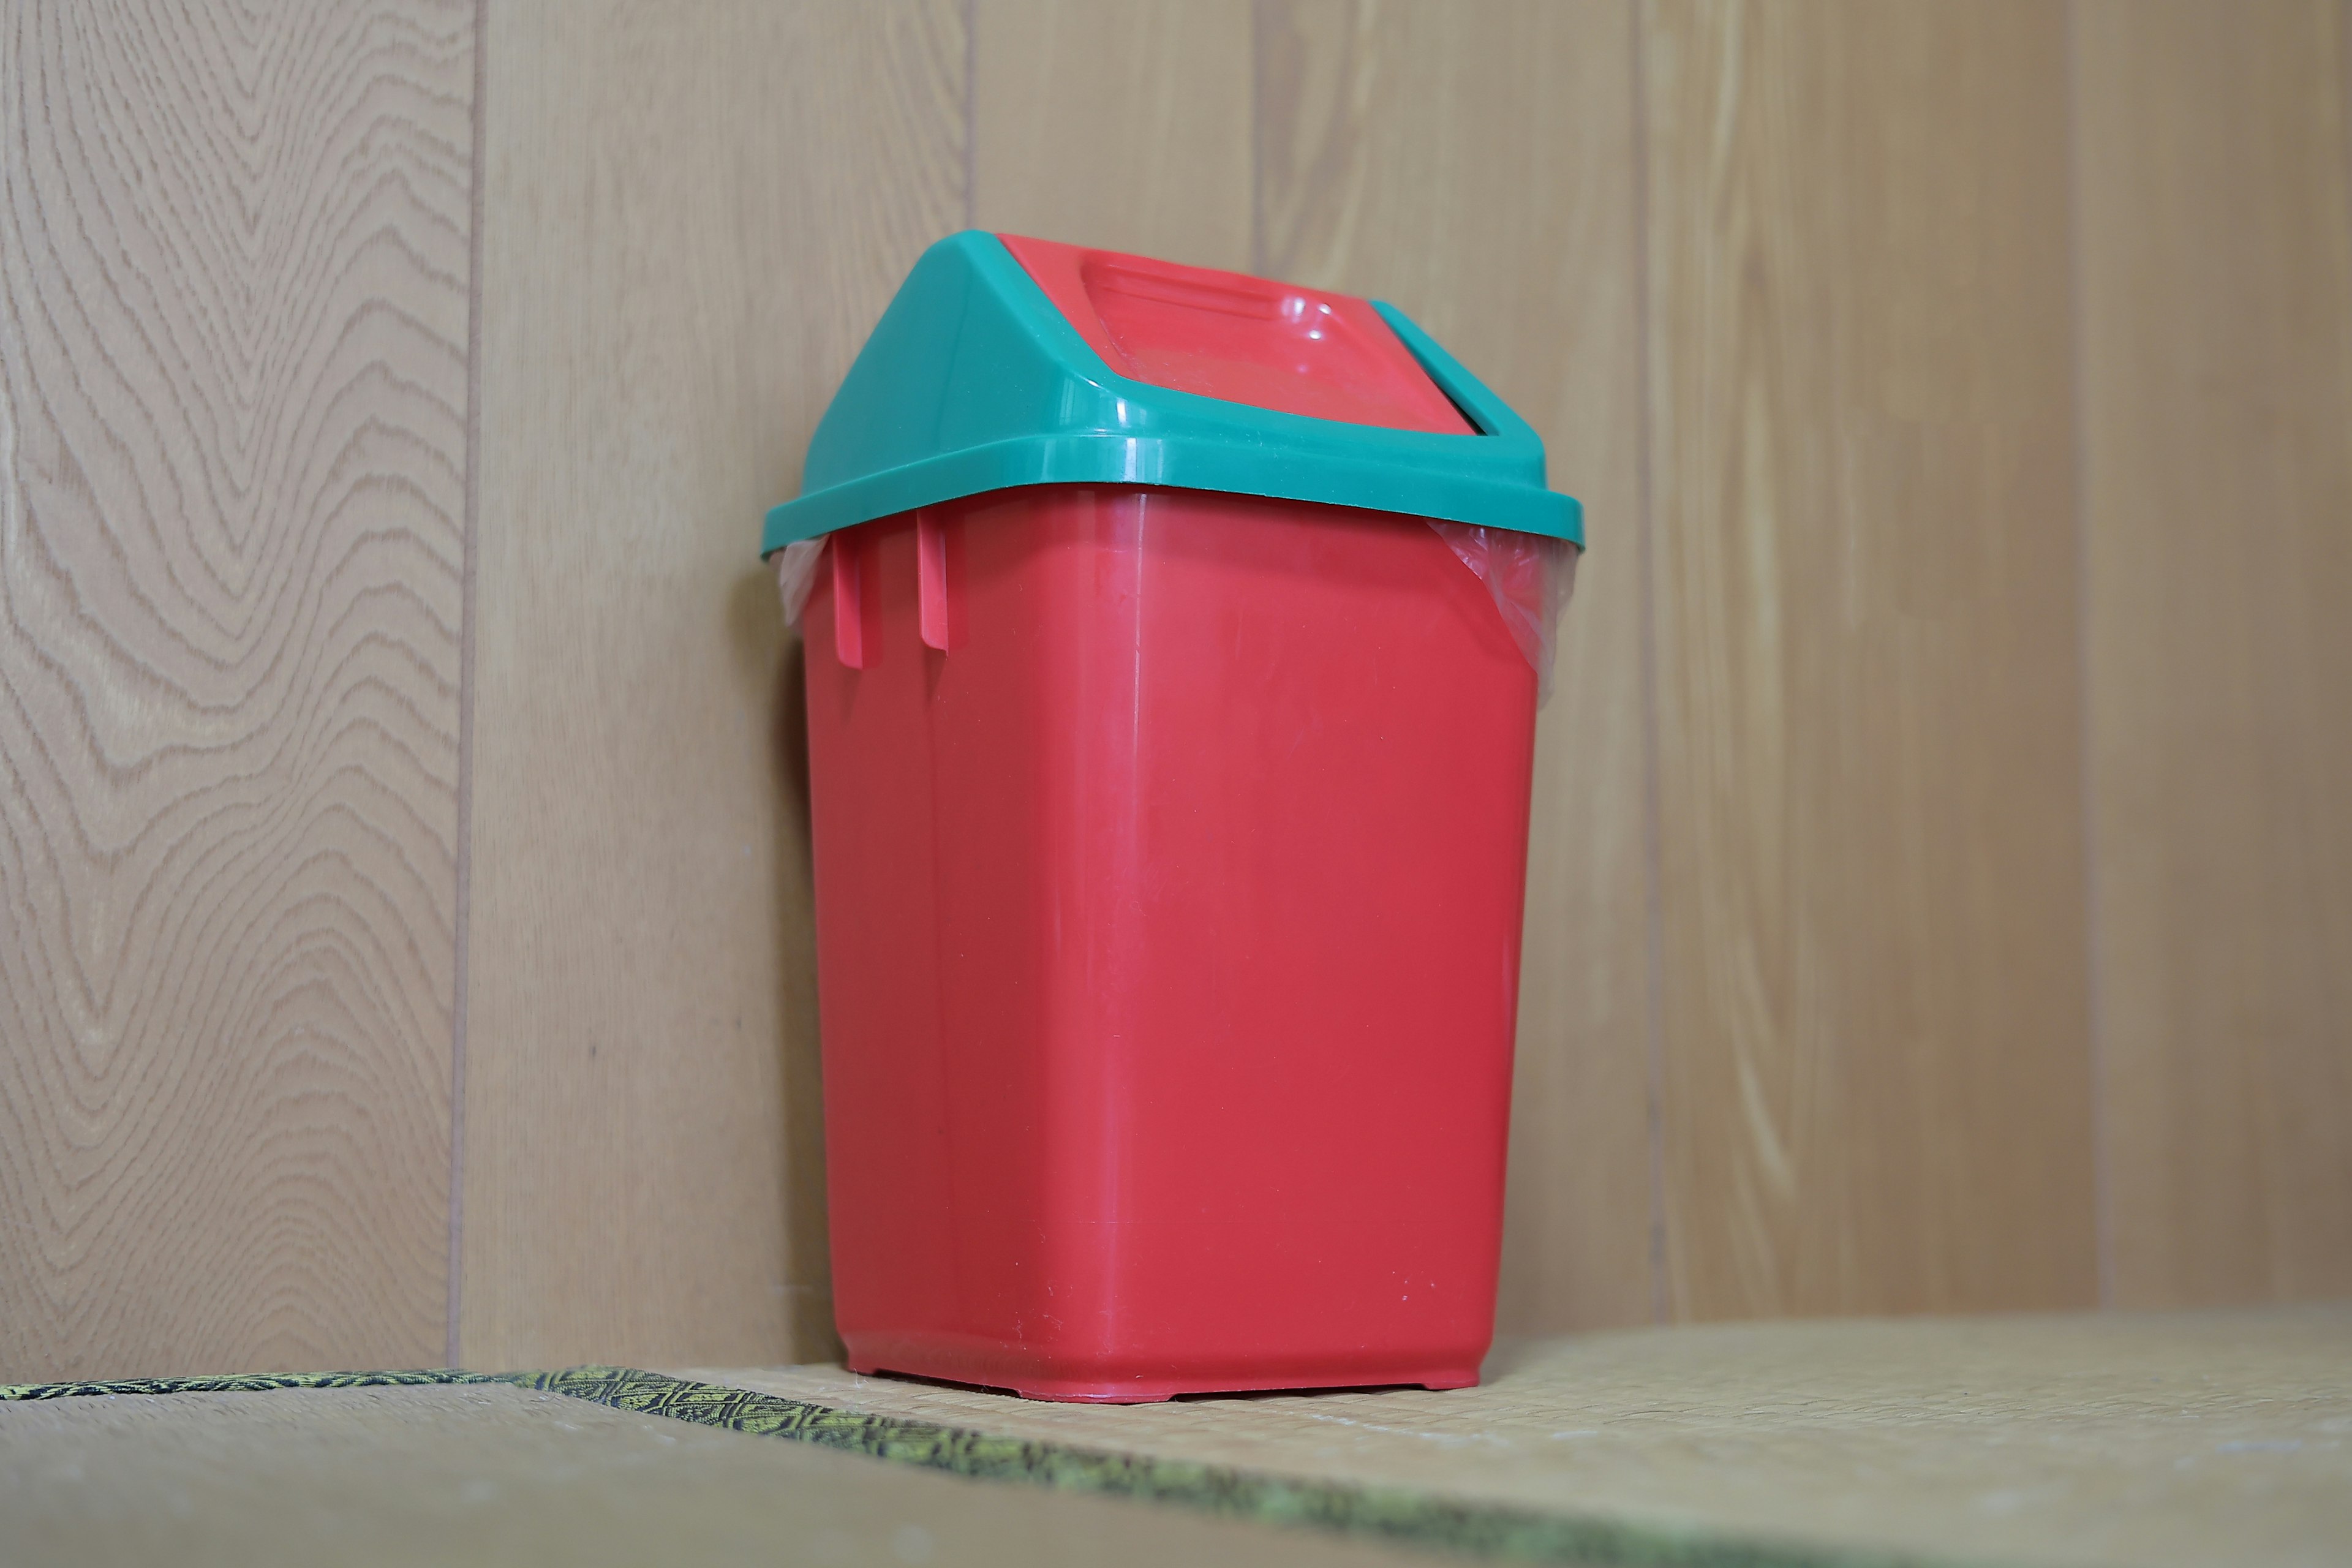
(2217, 394)
(2098, 1438)
(1877, 1091)
(1120, 123)
(690, 231)
(1477, 168)
(233, 318)
(492, 1475)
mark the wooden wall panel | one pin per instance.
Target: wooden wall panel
(1477, 168)
(1122, 124)
(1806, 1013)
(233, 321)
(2217, 393)
(688, 231)
(1878, 1091)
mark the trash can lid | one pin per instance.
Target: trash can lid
(1006, 362)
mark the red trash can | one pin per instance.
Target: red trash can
(1169, 773)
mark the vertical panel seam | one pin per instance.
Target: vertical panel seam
(2093, 961)
(1258, 249)
(972, 113)
(1653, 1044)
(2344, 91)
(468, 555)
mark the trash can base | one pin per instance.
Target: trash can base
(1159, 1389)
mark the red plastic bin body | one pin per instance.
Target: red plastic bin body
(1168, 934)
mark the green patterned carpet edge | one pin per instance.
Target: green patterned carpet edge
(253, 1382)
(1398, 1515)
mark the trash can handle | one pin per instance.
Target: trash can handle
(848, 597)
(938, 566)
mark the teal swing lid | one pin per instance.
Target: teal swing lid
(1005, 362)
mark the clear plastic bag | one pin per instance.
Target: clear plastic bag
(1529, 575)
(797, 576)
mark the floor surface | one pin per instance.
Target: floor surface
(2216, 1437)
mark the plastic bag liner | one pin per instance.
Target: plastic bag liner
(1530, 576)
(796, 575)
